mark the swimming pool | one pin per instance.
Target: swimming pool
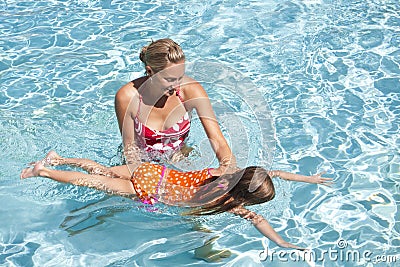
(328, 70)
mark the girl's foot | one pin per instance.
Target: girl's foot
(51, 159)
(32, 172)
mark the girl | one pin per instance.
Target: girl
(202, 190)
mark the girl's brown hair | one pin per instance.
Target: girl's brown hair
(160, 53)
(240, 194)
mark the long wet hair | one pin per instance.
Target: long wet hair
(254, 186)
(158, 54)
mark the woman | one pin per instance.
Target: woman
(153, 111)
(151, 183)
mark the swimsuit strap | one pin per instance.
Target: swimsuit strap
(136, 84)
(138, 110)
(177, 92)
(164, 169)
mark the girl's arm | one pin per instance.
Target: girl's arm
(313, 179)
(263, 226)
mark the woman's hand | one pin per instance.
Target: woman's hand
(225, 169)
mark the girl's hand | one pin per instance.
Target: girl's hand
(318, 179)
(290, 245)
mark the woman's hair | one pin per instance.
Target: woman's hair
(242, 194)
(159, 53)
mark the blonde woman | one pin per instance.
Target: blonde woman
(153, 111)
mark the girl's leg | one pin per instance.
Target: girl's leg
(100, 182)
(124, 171)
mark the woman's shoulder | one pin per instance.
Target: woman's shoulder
(127, 92)
(139, 81)
(192, 88)
(126, 98)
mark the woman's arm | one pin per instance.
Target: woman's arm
(263, 226)
(313, 179)
(126, 106)
(197, 98)
(122, 104)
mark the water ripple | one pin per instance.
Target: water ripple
(329, 71)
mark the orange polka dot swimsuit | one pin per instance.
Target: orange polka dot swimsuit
(151, 181)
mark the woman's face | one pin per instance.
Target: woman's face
(169, 79)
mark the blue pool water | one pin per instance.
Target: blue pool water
(328, 73)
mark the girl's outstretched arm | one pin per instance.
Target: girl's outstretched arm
(263, 226)
(313, 179)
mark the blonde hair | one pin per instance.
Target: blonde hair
(160, 53)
